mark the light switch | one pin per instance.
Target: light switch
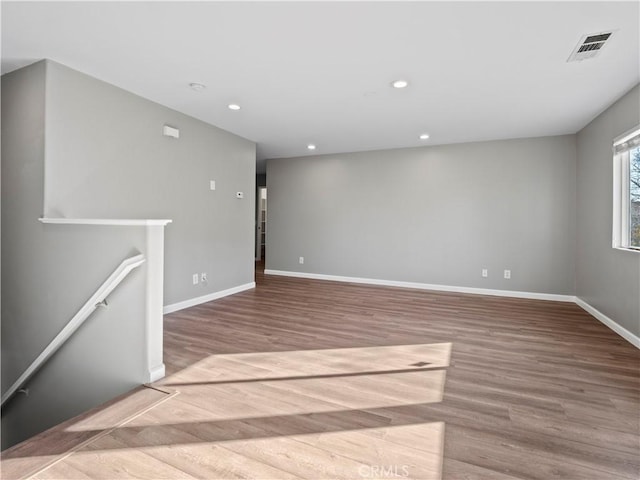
(212, 184)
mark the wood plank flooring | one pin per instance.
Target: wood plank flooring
(311, 379)
(37, 453)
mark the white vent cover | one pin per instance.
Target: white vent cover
(168, 131)
(589, 46)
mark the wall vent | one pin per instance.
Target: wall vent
(589, 46)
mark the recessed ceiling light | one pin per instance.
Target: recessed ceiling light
(311, 146)
(233, 106)
(424, 136)
(400, 84)
(198, 87)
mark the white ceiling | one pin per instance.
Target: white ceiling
(320, 72)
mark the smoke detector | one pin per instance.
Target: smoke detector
(589, 46)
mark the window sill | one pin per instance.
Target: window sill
(628, 249)
(106, 221)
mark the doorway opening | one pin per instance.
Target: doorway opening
(261, 225)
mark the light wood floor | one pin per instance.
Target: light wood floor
(311, 379)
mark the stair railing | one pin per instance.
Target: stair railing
(98, 299)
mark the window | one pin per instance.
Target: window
(626, 191)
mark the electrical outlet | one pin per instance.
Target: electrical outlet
(203, 277)
(195, 278)
(301, 260)
(507, 274)
(485, 273)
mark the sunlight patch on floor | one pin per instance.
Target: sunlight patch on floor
(306, 414)
(407, 451)
(269, 365)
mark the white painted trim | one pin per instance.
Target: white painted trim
(620, 330)
(629, 134)
(154, 321)
(174, 307)
(623, 332)
(628, 249)
(156, 373)
(122, 222)
(426, 286)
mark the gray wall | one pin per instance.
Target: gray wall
(607, 279)
(74, 146)
(433, 215)
(48, 272)
(107, 158)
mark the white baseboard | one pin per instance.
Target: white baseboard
(174, 307)
(156, 373)
(616, 327)
(620, 330)
(426, 286)
(623, 332)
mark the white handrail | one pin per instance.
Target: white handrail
(78, 319)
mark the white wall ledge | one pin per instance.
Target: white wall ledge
(122, 222)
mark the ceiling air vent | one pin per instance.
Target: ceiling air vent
(589, 46)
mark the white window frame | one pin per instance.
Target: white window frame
(622, 147)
